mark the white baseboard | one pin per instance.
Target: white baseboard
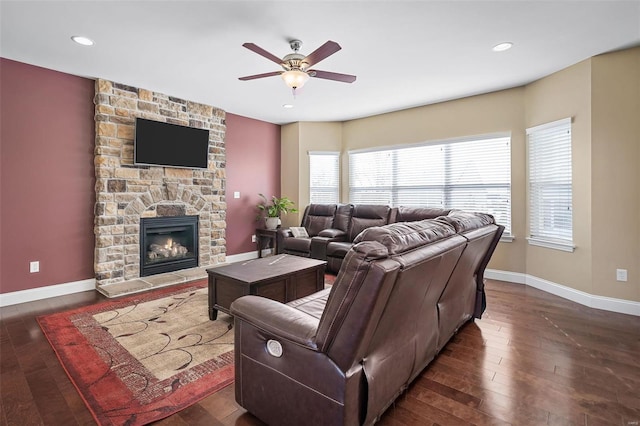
(593, 301)
(246, 256)
(38, 293)
(33, 294)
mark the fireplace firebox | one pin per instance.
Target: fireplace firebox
(168, 244)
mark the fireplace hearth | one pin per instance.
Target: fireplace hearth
(168, 244)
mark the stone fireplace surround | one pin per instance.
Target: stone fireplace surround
(126, 193)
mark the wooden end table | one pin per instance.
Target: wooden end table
(283, 278)
(266, 238)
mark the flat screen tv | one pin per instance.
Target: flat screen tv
(170, 145)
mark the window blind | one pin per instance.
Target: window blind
(550, 185)
(472, 174)
(324, 177)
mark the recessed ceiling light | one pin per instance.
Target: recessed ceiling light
(287, 106)
(502, 47)
(85, 41)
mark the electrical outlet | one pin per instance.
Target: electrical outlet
(621, 274)
(236, 194)
(34, 266)
(253, 238)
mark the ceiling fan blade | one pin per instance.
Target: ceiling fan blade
(322, 52)
(267, 74)
(345, 78)
(260, 51)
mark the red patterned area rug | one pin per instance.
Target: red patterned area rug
(144, 357)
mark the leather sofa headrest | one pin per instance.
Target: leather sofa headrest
(403, 236)
(371, 211)
(467, 221)
(322, 209)
(411, 214)
(371, 250)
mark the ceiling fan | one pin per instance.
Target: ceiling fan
(296, 66)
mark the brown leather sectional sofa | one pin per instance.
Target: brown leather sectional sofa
(332, 228)
(343, 355)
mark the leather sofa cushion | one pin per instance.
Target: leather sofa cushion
(313, 304)
(332, 233)
(403, 236)
(412, 214)
(338, 249)
(467, 221)
(297, 244)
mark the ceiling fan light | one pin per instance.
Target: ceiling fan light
(502, 46)
(295, 79)
(85, 41)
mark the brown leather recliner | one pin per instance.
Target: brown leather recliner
(341, 356)
(325, 223)
(316, 218)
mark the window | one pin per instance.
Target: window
(324, 177)
(468, 174)
(550, 190)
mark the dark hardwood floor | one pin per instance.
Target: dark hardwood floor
(533, 359)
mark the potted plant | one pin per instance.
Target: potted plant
(272, 210)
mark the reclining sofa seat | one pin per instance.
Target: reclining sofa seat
(349, 351)
(324, 223)
(316, 217)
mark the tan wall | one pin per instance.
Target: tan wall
(601, 94)
(567, 93)
(615, 180)
(491, 113)
(290, 164)
(297, 140)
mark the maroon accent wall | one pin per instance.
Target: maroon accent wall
(46, 176)
(253, 167)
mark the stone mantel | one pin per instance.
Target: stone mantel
(125, 192)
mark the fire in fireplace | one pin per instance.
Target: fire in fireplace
(168, 244)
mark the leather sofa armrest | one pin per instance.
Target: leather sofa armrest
(333, 234)
(284, 233)
(278, 319)
(319, 247)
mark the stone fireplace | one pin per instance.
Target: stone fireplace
(126, 194)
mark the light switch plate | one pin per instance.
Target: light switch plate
(236, 194)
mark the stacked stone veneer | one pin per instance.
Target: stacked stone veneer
(125, 193)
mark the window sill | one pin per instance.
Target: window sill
(507, 238)
(568, 246)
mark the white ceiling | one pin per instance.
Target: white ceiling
(405, 53)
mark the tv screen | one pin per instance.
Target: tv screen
(171, 145)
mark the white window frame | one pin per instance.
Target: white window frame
(386, 187)
(550, 195)
(333, 187)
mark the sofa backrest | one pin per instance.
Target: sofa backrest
(383, 306)
(465, 289)
(343, 217)
(365, 216)
(405, 339)
(317, 217)
(411, 213)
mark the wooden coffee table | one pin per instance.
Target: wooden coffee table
(283, 278)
